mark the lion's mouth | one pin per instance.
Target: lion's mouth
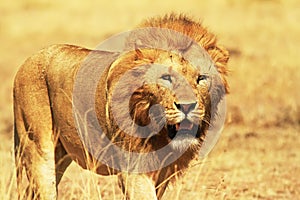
(185, 127)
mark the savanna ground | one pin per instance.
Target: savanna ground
(258, 154)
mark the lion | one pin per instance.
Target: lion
(147, 98)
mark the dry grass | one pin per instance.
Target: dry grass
(258, 154)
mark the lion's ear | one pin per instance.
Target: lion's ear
(139, 54)
(220, 56)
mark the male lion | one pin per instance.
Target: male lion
(143, 116)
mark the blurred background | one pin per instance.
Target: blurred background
(258, 154)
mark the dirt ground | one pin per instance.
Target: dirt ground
(258, 154)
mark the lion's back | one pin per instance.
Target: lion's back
(42, 78)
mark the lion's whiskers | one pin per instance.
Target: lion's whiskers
(207, 122)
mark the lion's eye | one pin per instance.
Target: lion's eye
(201, 78)
(166, 77)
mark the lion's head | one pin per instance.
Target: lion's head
(164, 89)
(161, 97)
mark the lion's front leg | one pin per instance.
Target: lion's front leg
(137, 186)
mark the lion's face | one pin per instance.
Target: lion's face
(184, 94)
(180, 89)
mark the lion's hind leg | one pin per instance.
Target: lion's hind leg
(36, 155)
(34, 139)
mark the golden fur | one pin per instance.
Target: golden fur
(46, 138)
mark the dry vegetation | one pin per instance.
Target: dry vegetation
(258, 155)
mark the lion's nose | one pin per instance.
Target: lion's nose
(185, 108)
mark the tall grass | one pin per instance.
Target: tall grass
(257, 157)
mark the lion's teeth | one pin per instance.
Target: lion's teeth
(177, 126)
